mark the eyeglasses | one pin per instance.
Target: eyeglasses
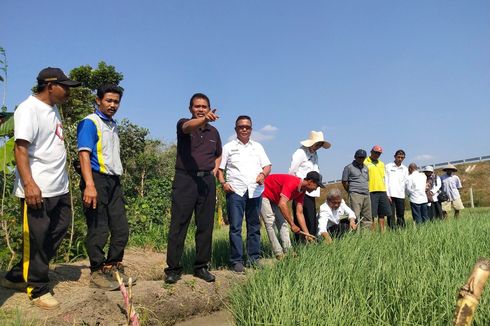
(244, 127)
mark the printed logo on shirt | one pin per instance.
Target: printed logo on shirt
(59, 131)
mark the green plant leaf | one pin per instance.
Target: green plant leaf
(6, 124)
(7, 154)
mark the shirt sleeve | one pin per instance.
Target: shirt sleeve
(86, 135)
(25, 123)
(347, 210)
(345, 174)
(458, 182)
(219, 146)
(322, 219)
(387, 180)
(224, 157)
(264, 159)
(296, 160)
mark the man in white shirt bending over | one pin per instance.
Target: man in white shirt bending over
(335, 218)
(416, 183)
(396, 176)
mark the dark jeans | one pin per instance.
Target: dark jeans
(309, 212)
(236, 207)
(191, 194)
(419, 212)
(435, 210)
(43, 230)
(109, 217)
(340, 229)
(398, 210)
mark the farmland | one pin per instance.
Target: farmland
(407, 277)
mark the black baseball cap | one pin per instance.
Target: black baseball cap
(360, 153)
(315, 177)
(55, 75)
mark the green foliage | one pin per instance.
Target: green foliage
(6, 124)
(407, 277)
(94, 78)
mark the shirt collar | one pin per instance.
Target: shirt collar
(357, 165)
(102, 115)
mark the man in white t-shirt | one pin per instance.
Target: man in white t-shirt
(246, 165)
(41, 183)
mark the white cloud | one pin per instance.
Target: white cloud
(266, 133)
(424, 157)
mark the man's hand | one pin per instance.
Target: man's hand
(33, 195)
(389, 199)
(295, 228)
(90, 197)
(353, 225)
(260, 178)
(227, 188)
(211, 116)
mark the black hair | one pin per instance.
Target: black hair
(243, 117)
(400, 151)
(109, 88)
(201, 96)
(40, 87)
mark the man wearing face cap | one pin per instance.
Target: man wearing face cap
(41, 183)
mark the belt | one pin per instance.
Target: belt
(196, 173)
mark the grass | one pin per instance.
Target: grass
(407, 277)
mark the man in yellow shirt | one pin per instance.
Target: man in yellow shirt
(380, 206)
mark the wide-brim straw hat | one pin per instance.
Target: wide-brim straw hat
(315, 137)
(450, 167)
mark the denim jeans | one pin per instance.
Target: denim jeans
(271, 215)
(237, 206)
(419, 212)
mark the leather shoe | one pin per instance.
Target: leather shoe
(172, 278)
(204, 274)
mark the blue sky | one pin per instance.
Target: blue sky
(402, 74)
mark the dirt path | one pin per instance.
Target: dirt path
(157, 303)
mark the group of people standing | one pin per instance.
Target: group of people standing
(41, 183)
(241, 167)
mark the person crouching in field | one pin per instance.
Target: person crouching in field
(335, 218)
(102, 194)
(451, 185)
(279, 189)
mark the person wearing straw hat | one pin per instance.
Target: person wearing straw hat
(451, 185)
(304, 160)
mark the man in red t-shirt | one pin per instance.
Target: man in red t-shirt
(279, 189)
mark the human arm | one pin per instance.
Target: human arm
(32, 192)
(350, 213)
(217, 163)
(283, 207)
(221, 178)
(345, 184)
(89, 193)
(345, 178)
(266, 170)
(192, 124)
(296, 160)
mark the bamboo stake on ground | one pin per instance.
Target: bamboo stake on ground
(470, 293)
(133, 317)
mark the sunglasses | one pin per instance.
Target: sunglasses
(244, 127)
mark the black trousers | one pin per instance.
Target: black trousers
(191, 194)
(435, 210)
(309, 211)
(108, 218)
(43, 230)
(398, 210)
(337, 231)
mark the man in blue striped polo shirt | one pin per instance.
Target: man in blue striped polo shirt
(100, 162)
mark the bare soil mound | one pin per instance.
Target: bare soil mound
(156, 302)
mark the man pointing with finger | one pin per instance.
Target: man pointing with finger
(194, 188)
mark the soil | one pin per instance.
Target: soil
(155, 302)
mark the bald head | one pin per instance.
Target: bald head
(412, 167)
